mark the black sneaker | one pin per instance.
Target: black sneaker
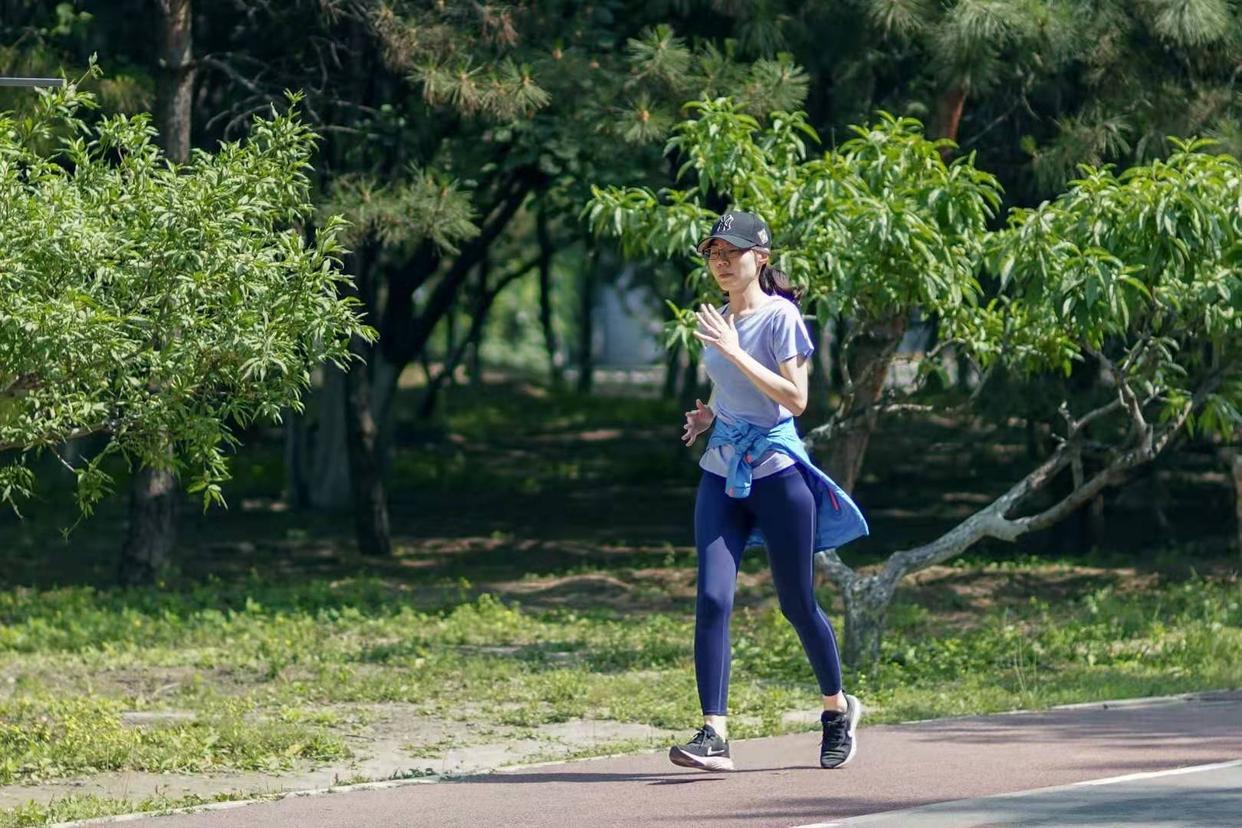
(840, 741)
(706, 751)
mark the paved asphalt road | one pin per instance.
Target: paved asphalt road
(898, 773)
(1204, 795)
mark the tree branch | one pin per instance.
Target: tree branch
(481, 311)
(236, 76)
(441, 299)
(52, 439)
(991, 521)
(987, 522)
(1142, 430)
(837, 570)
(1084, 492)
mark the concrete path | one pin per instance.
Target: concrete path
(899, 771)
(1202, 795)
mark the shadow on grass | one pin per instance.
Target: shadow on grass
(516, 480)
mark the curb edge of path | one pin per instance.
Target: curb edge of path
(1209, 696)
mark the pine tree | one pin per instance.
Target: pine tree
(447, 129)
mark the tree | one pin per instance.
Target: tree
(449, 131)
(47, 39)
(108, 245)
(151, 534)
(872, 231)
(1035, 87)
(1138, 272)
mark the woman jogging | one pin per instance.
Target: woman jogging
(759, 484)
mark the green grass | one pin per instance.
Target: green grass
(562, 589)
(260, 674)
(72, 808)
(46, 734)
(1175, 637)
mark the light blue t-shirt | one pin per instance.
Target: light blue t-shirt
(772, 333)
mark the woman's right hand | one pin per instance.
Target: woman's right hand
(697, 421)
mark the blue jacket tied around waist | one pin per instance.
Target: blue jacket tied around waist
(838, 518)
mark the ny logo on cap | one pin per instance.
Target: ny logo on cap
(725, 224)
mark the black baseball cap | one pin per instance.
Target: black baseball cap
(742, 230)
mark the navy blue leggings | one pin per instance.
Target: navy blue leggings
(783, 507)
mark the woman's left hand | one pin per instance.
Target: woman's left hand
(714, 329)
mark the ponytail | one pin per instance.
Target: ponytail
(777, 282)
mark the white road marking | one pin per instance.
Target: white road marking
(1109, 780)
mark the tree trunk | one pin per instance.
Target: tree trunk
(948, 115)
(672, 361)
(152, 531)
(866, 614)
(151, 535)
(431, 392)
(1231, 456)
(546, 316)
(369, 498)
(835, 352)
(474, 363)
(690, 383)
(450, 341)
(1097, 524)
(175, 80)
(329, 474)
(1159, 497)
(385, 379)
(477, 329)
(962, 361)
(295, 494)
(322, 471)
(1235, 467)
(586, 324)
(870, 356)
(370, 501)
(820, 385)
(1090, 521)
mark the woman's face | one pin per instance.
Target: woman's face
(733, 267)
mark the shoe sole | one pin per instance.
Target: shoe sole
(856, 711)
(708, 763)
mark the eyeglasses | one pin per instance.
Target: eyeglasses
(722, 254)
